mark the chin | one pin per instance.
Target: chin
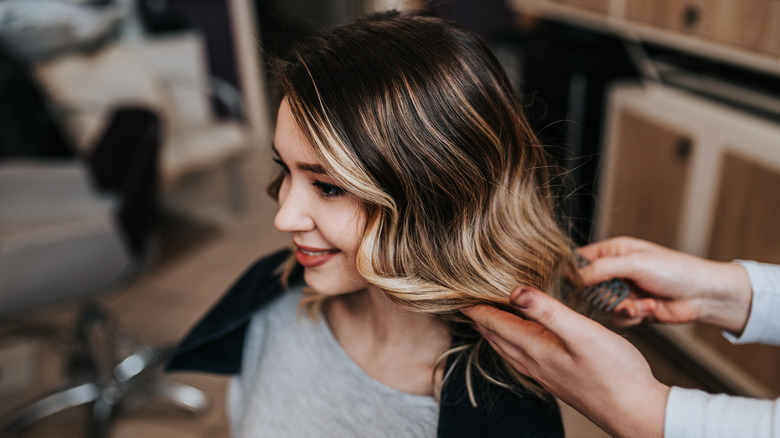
(332, 282)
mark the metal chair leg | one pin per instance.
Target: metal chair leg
(112, 382)
(99, 425)
(184, 397)
(57, 402)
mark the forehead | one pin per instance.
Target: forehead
(289, 141)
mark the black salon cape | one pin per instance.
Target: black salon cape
(216, 345)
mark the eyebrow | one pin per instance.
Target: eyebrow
(306, 167)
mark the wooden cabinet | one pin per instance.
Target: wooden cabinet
(747, 24)
(743, 32)
(748, 198)
(677, 15)
(593, 5)
(704, 178)
(651, 163)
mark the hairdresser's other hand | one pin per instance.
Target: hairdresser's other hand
(670, 286)
(576, 359)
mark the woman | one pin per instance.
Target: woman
(412, 186)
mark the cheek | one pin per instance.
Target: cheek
(353, 229)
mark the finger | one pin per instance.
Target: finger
(607, 268)
(551, 314)
(632, 312)
(626, 308)
(517, 357)
(613, 247)
(509, 328)
(490, 317)
(646, 307)
(604, 248)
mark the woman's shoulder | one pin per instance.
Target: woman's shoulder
(500, 412)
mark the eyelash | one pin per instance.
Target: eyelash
(327, 191)
(281, 164)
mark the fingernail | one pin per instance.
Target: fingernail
(520, 298)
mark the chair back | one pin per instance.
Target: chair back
(125, 163)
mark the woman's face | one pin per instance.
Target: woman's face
(326, 223)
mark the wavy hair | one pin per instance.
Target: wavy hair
(414, 116)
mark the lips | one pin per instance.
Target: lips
(311, 257)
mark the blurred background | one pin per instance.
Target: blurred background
(135, 151)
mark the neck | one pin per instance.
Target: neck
(395, 346)
(385, 321)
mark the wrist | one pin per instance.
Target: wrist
(726, 303)
(644, 415)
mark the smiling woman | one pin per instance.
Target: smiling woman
(412, 186)
(326, 223)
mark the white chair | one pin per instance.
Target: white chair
(167, 73)
(70, 231)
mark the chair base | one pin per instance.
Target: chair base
(106, 383)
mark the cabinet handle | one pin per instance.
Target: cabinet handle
(683, 149)
(691, 16)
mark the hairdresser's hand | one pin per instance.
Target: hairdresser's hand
(670, 286)
(576, 359)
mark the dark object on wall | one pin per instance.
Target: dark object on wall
(212, 19)
(491, 19)
(29, 127)
(130, 172)
(158, 17)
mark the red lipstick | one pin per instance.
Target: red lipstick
(312, 257)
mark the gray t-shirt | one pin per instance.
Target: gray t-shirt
(297, 381)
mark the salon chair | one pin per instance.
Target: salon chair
(69, 232)
(168, 73)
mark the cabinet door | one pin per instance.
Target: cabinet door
(650, 171)
(593, 5)
(769, 38)
(747, 24)
(746, 222)
(746, 227)
(679, 15)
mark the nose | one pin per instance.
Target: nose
(293, 215)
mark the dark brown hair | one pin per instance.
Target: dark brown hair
(414, 116)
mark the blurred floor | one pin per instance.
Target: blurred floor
(196, 263)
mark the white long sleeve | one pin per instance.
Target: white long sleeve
(691, 413)
(763, 324)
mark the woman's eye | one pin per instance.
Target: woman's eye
(281, 164)
(328, 190)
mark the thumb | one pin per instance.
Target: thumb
(550, 313)
(607, 268)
